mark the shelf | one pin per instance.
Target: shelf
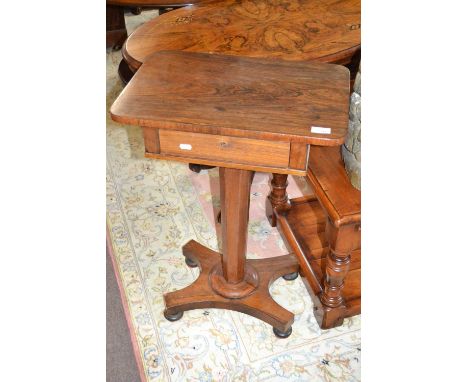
(303, 230)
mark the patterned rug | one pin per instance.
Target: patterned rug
(153, 208)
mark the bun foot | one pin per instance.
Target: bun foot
(173, 317)
(190, 263)
(281, 334)
(291, 276)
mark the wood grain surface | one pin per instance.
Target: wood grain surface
(258, 303)
(303, 227)
(223, 148)
(329, 258)
(330, 182)
(229, 280)
(325, 30)
(238, 96)
(324, 232)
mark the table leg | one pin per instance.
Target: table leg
(116, 31)
(278, 197)
(230, 281)
(332, 310)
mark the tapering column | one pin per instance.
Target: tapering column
(232, 278)
(235, 199)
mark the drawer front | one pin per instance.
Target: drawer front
(224, 148)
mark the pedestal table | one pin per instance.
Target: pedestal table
(242, 115)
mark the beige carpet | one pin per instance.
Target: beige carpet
(153, 208)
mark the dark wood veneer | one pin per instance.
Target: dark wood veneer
(327, 30)
(298, 30)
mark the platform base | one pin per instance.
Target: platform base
(257, 301)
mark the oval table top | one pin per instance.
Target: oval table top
(325, 30)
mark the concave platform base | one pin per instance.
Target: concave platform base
(254, 296)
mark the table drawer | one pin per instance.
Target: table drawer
(224, 148)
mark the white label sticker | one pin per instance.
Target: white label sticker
(185, 146)
(320, 130)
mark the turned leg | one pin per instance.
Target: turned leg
(278, 198)
(333, 308)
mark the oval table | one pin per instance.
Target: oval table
(297, 30)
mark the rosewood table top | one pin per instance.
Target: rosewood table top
(325, 30)
(270, 99)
